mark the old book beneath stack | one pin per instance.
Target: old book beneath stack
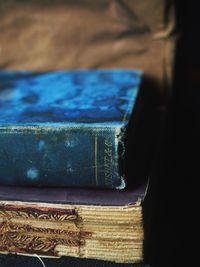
(66, 128)
(98, 224)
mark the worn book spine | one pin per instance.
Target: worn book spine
(85, 223)
(112, 233)
(62, 155)
(66, 128)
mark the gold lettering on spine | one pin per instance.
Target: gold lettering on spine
(95, 159)
(108, 161)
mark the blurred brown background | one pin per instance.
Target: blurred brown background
(60, 34)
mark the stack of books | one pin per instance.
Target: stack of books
(64, 145)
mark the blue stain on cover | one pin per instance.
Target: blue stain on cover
(32, 173)
(73, 96)
(62, 128)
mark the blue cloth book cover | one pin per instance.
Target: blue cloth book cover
(65, 128)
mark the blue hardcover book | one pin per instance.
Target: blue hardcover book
(65, 128)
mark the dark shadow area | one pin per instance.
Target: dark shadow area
(143, 133)
(22, 261)
(171, 205)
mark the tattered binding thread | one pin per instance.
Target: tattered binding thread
(35, 255)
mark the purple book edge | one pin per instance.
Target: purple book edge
(73, 195)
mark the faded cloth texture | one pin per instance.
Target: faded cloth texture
(62, 34)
